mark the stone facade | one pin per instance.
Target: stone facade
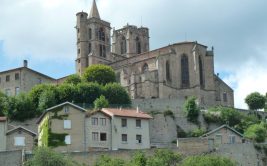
(3, 130)
(176, 71)
(28, 141)
(22, 79)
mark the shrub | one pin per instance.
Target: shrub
(197, 132)
(47, 99)
(116, 94)
(99, 73)
(107, 161)
(191, 109)
(73, 79)
(168, 113)
(101, 102)
(256, 132)
(208, 160)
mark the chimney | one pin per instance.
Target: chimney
(137, 109)
(25, 63)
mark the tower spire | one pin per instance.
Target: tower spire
(94, 12)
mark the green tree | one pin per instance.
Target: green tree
(246, 121)
(99, 73)
(164, 158)
(47, 99)
(256, 132)
(139, 159)
(230, 116)
(67, 92)
(73, 79)
(107, 161)
(116, 94)
(101, 102)
(255, 101)
(37, 90)
(191, 109)
(20, 108)
(43, 156)
(3, 103)
(208, 160)
(88, 92)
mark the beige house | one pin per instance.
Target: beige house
(20, 138)
(21, 79)
(118, 129)
(223, 135)
(63, 128)
(3, 130)
(69, 128)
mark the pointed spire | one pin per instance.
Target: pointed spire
(94, 12)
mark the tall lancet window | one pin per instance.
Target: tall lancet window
(138, 45)
(145, 67)
(168, 74)
(101, 34)
(90, 33)
(184, 72)
(201, 74)
(123, 45)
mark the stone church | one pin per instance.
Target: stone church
(175, 71)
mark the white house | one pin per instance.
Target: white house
(117, 129)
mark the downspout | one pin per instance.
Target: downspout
(84, 133)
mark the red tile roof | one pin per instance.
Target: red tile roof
(126, 113)
(2, 119)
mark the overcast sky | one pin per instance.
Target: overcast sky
(42, 31)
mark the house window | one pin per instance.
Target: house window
(168, 74)
(16, 76)
(7, 78)
(201, 78)
(184, 71)
(103, 121)
(68, 139)
(225, 97)
(66, 109)
(138, 123)
(94, 136)
(103, 136)
(8, 92)
(67, 124)
(138, 139)
(124, 137)
(101, 34)
(123, 122)
(231, 139)
(16, 91)
(138, 45)
(39, 80)
(94, 121)
(123, 45)
(19, 141)
(218, 139)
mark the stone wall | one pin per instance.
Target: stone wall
(199, 145)
(11, 158)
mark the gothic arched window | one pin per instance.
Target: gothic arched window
(90, 47)
(102, 50)
(138, 45)
(101, 34)
(201, 75)
(184, 71)
(123, 45)
(168, 74)
(90, 33)
(145, 67)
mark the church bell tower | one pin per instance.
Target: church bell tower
(93, 40)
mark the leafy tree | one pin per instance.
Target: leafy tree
(208, 160)
(107, 161)
(101, 102)
(191, 109)
(88, 92)
(73, 79)
(246, 121)
(116, 94)
(47, 99)
(3, 103)
(230, 116)
(37, 90)
(256, 132)
(164, 158)
(99, 73)
(67, 92)
(139, 159)
(255, 101)
(43, 156)
(20, 108)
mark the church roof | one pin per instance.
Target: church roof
(94, 11)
